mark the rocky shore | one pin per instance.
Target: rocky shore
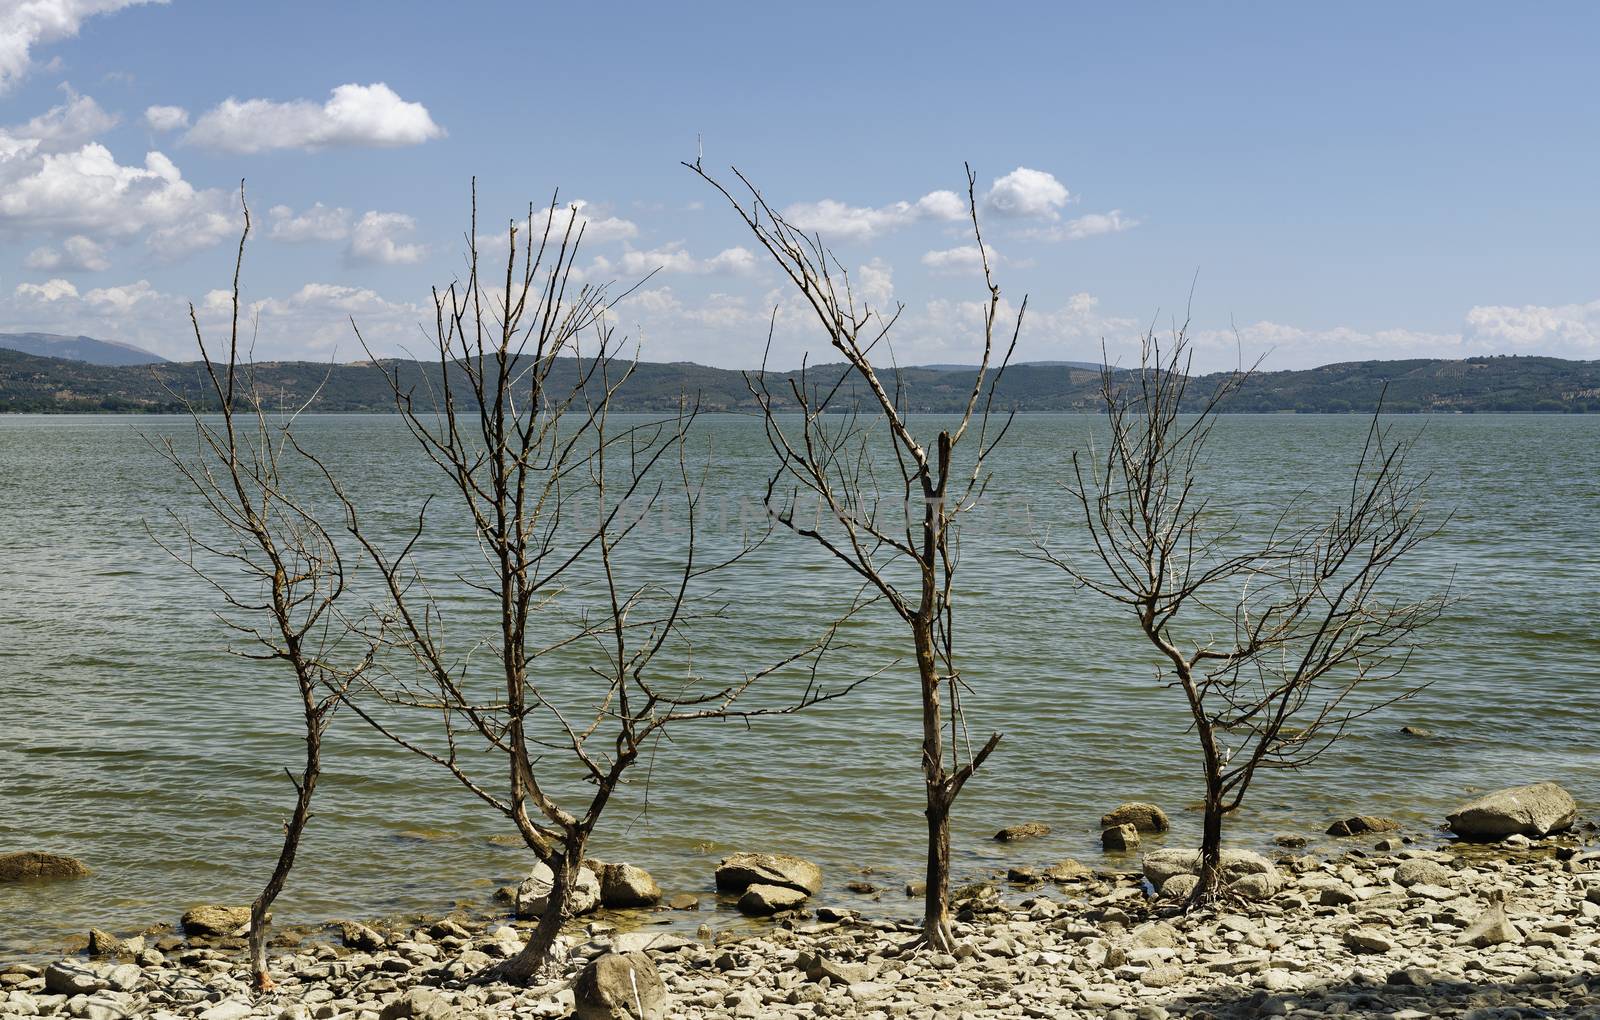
(1379, 923)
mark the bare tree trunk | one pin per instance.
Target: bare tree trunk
(1209, 888)
(262, 905)
(936, 914)
(535, 957)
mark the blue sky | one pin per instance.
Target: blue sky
(1352, 181)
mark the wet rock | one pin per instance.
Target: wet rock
(211, 921)
(1068, 870)
(359, 936)
(1142, 816)
(1289, 840)
(1120, 837)
(916, 890)
(684, 901)
(759, 900)
(738, 872)
(103, 943)
(1362, 824)
(533, 895)
(34, 866)
(1536, 810)
(623, 886)
(1415, 731)
(620, 986)
(1027, 830)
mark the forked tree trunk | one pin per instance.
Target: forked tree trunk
(535, 958)
(262, 905)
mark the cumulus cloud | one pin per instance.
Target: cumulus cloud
(27, 24)
(86, 191)
(596, 226)
(372, 116)
(1569, 330)
(376, 238)
(67, 126)
(48, 292)
(672, 258)
(875, 283)
(166, 118)
(76, 253)
(834, 219)
(963, 259)
(1026, 193)
(1091, 225)
(318, 223)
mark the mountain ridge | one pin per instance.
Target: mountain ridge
(1506, 383)
(79, 348)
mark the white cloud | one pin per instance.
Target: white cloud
(672, 258)
(1571, 331)
(875, 283)
(166, 118)
(25, 24)
(1033, 194)
(354, 115)
(1090, 225)
(375, 239)
(86, 191)
(835, 220)
(48, 292)
(76, 253)
(963, 259)
(67, 126)
(318, 223)
(596, 227)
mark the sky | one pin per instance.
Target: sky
(1307, 183)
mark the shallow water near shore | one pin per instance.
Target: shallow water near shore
(130, 738)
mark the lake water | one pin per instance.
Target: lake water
(131, 738)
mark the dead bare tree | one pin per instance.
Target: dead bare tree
(582, 665)
(1278, 636)
(277, 571)
(898, 531)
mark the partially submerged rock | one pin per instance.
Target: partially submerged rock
(1027, 830)
(624, 885)
(1142, 816)
(1068, 870)
(1536, 810)
(35, 866)
(1362, 824)
(1120, 837)
(742, 870)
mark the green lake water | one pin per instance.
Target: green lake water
(131, 738)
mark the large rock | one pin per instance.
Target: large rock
(533, 895)
(70, 977)
(761, 900)
(1362, 824)
(1536, 810)
(33, 866)
(740, 871)
(620, 986)
(623, 886)
(1142, 816)
(1160, 865)
(1027, 830)
(212, 921)
(1120, 837)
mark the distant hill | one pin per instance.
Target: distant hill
(78, 348)
(1475, 385)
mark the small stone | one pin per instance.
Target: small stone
(916, 890)
(1027, 830)
(1289, 840)
(1490, 928)
(1411, 977)
(1179, 887)
(1365, 940)
(1415, 731)
(1068, 870)
(228, 1009)
(684, 901)
(1162, 975)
